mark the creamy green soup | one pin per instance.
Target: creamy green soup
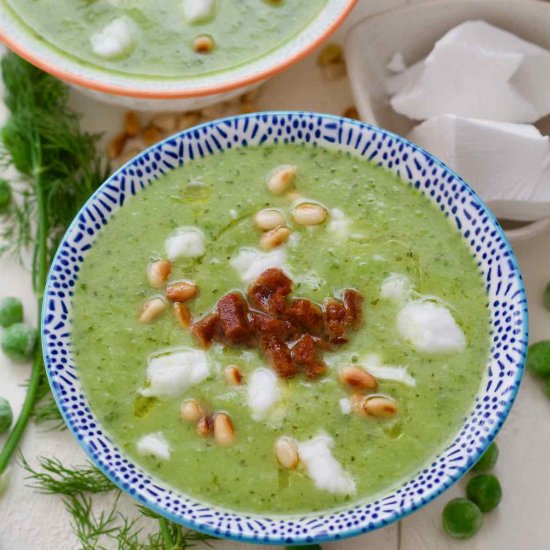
(378, 229)
(154, 38)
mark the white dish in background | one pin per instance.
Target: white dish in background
(372, 42)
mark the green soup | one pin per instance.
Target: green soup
(390, 229)
(158, 39)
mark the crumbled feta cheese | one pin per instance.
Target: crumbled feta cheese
(430, 328)
(262, 393)
(170, 372)
(345, 405)
(233, 213)
(396, 288)
(325, 471)
(339, 224)
(249, 263)
(374, 365)
(185, 242)
(396, 64)
(198, 11)
(154, 444)
(113, 40)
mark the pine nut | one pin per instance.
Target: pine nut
(233, 375)
(357, 378)
(116, 145)
(286, 452)
(268, 218)
(181, 291)
(165, 122)
(203, 44)
(191, 410)
(308, 213)
(182, 315)
(379, 406)
(188, 120)
(151, 309)
(131, 124)
(224, 431)
(281, 179)
(150, 135)
(274, 238)
(158, 272)
(205, 426)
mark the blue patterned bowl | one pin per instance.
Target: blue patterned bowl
(455, 199)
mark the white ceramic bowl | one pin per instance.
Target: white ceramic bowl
(135, 92)
(413, 31)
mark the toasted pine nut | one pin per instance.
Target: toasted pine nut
(224, 431)
(274, 238)
(203, 44)
(309, 213)
(152, 309)
(188, 120)
(182, 315)
(286, 452)
(351, 112)
(233, 375)
(165, 122)
(182, 291)
(131, 124)
(205, 426)
(357, 378)
(331, 53)
(116, 145)
(247, 108)
(281, 179)
(150, 135)
(158, 271)
(379, 406)
(191, 410)
(268, 218)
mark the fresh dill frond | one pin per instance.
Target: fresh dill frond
(46, 410)
(54, 478)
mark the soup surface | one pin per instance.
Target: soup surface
(152, 38)
(381, 237)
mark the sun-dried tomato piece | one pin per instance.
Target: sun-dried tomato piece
(269, 291)
(278, 356)
(206, 329)
(335, 321)
(306, 353)
(353, 302)
(233, 315)
(307, 314)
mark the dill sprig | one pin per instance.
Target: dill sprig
(58, 167)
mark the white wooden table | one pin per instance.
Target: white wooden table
(29, 521)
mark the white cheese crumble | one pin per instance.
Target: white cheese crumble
(339, 224)
(374, 365)
(250, 263)
(170, 372)
(113, 40)
(198, 11)
(154, 444)
(396, 288)
(430, 328)
(262, 393)
(345, 405)
(325, 471)
(185, 242)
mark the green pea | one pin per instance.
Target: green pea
(11, 311)
(19, 341)
(485, 491)
(6, 415)
(5, 194)
(462, 519)
(538, 358)
(547, 297)
(488, 459)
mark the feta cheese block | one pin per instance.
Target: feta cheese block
(476, 70)
(170, 372)
(396, 287)
(114, 40)
(185, 242)
(325, 471)
(429, 327)
(263, 393)
(507, 164)
(154, 444)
